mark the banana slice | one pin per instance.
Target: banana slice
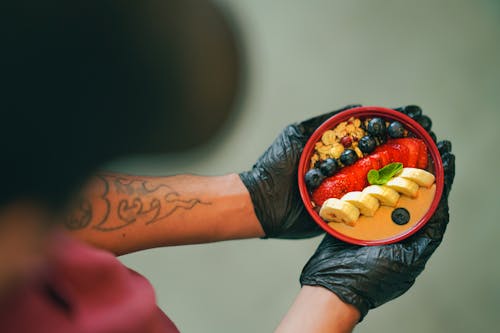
(336, 210)
(366, 203)
(404, 186)
(386, 195)
(419, 176)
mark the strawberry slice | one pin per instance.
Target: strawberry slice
(382, 155)
(399, 152)
(356, 174)
(413, 146)
(332, 187)
(423, 157)
(375, 161)
(394, 153)
(365, 164)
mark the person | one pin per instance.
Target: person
(86, 81)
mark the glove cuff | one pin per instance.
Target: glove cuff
(252, 186)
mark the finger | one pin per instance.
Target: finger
(444, 147)
(449, 171)
(309, 126)
(425, 122)
(412, 111)
(436, 226)
(415, 112)
(433, 136)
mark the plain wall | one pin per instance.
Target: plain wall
(308, 57)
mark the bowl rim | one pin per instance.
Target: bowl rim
(371, 111)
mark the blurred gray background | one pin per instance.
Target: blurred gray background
(308, 57)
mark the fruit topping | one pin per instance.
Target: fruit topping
(386, 195)
(376, 127)
(362, 164)
(334, 187)
(419, 176)
(396, 130)
(374, 161)
(313, 178)
(335, 210)
(382, 155)
(328, 167)
(423, 159)
(354, 202)
(348, 157)
(367, 144)
(413, 146)
(404, 186)
(346, 141)
(400, 216)
(366, 203)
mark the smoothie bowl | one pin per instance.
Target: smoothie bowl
(370, 176)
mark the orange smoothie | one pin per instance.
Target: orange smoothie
(380, 226)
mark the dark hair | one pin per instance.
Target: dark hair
(85, 80)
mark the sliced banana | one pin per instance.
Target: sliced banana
(366, 203)
(335, 210)
(404, 186)
(419, 176)
(386, 195)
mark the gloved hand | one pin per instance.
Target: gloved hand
(273, 186)
(369, 276)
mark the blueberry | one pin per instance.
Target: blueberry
(412, 111)
(348, 157)
(400, 216)
(313, 178)
(367, 144)
(376, 127)
(328, 167)
(396, 130)
(425, 122)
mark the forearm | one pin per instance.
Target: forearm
(124, 213)
(316, 310)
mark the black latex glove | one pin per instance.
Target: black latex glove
(369, 276)
(273, 186)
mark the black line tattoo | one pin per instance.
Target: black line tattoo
(81, 216)
(138, 200)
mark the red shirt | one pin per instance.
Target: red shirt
(84, 290)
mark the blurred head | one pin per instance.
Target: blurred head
(84, 81)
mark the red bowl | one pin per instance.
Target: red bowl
(435, 166)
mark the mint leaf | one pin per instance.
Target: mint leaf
(384, 174)
(373, 177)
(387, 172)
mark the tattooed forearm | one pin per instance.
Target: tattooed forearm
(114, 202)
(81, 216)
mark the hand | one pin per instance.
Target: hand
(273, 187)
(370, 276)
